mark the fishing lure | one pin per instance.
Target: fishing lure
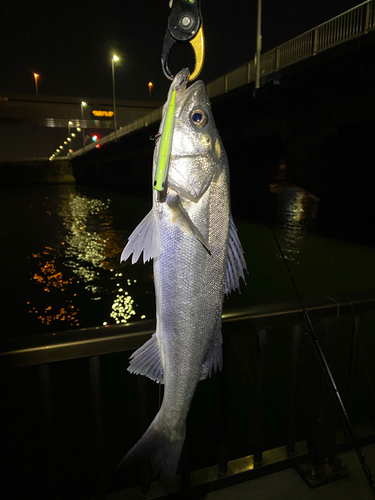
(165, 146)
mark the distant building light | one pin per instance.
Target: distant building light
(97, 112)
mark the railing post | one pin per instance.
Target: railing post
(258, 399)
(143, 423)
(46, 393)
(223, 409)
(291, 438)
(315, 41)
(96, 400)
(323, 416)
(324, 439)
(369, 8)
(353, 368)
(277, 63)
(249, 72)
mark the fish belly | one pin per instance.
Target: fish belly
(189, 284)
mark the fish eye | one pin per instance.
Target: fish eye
(199, 118)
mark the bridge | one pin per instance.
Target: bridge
(58, 111)
(348, 26)
(65, 112)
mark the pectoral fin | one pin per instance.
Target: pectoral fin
(182, 219)
(235, 260)
(145, 238)
(181, 190)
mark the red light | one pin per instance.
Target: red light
(98, 146)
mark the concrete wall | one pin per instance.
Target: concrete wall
(36, 171)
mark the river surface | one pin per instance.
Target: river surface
(60, 257)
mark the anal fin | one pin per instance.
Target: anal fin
(147, 361)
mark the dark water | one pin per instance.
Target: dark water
(61, 249)
(61, 265)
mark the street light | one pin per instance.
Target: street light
(150, 85)
(36, 76)
(83, 104)
(259, 45)
(69, 125)
(114, 59)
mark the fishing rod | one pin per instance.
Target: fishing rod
(355, 325)
(323, 361)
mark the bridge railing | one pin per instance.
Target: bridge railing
(342, 28)
(245, 409)
(353, 23)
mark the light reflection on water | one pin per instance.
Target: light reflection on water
(296, 211)
(88, 256)
(62, 268)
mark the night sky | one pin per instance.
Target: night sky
(70, 43)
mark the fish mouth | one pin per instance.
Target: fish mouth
(183, 80)
(182, 83)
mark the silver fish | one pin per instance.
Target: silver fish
(190, 235)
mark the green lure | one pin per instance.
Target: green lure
(165, 146)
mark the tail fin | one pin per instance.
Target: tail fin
(161, 446)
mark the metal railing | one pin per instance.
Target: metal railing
(349, 25)
(331, 317)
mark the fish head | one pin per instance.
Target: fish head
(197, 153)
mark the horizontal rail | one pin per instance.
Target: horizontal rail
(85, 342)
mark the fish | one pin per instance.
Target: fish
(197, 259)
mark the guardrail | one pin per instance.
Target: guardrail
(332, 317)
(351, 24)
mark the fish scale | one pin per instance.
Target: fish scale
(189, 233)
